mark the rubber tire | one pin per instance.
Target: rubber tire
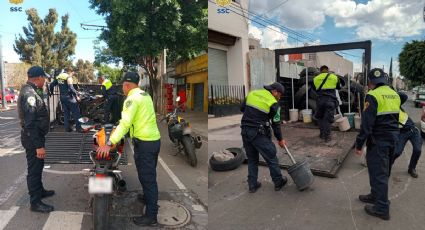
(231, 164)
(189, 149)
(101, 212)
(422, 134)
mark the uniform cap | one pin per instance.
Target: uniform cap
(36, 71)
(377, 76)
(131, 77)
(275, 86)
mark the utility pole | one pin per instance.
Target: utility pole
(3, 93)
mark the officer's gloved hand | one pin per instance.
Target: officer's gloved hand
(282, 143)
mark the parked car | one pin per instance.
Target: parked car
(419, 96)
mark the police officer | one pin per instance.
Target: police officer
(109, 92)
(139, 117)
(68, 98)
(379, 129)
(259, 108)
(35, 125)
(408, 132)
(325, 85)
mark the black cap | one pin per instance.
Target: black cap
(131, 77)
(377, 76)
(275, 86)
(36, 71)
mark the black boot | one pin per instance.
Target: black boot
(41, 207)
(47, 193)
(254, 188)
(145, 221)
(367, 198)
(281, 184)
(413, 173)
(370, 210)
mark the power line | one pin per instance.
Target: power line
(274, 8)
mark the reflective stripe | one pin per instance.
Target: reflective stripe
(388, 100)
(330, 83)
(261, 99)
(107, 83)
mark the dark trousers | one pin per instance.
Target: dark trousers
(35, 170)
(414, 136)
(255, 144)
(378, 164)
(70, 106)
(325, 115)
(146, 158)
(110, 106)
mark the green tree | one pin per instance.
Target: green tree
(84, 71)
(139, 30)
(40, 45)
(113, 74)
(412, 62)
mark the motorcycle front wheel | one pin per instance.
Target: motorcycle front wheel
(189, 149)
(101, 211)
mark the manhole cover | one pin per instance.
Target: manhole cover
(172, 214)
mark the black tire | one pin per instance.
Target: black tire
(231, 164)
(189, 149)
(422, 134)
(101, 212)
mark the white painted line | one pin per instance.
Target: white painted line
(12, 189)
(7, 118)
(59, 220)
(7, 215)
(198, 207)
(173, 176)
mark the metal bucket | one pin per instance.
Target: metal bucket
(301, 174)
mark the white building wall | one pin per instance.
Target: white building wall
(237, 26)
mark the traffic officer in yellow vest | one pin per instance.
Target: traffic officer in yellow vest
(109, 93)
(138, 117)
(379, 129)
(408, 132)
(261, 113)
(325, 85)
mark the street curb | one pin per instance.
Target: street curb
(224, 127)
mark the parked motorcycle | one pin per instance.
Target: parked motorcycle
(105, 179)
(180, 133)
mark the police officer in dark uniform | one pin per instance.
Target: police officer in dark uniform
(109, 92)
(325, 85)
(408, 132)
(379, 129)
(259, 108)
(68, 98)
(35, 125)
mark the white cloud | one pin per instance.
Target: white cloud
(270, 37)
(377, 19)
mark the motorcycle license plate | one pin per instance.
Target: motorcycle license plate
(100, 185)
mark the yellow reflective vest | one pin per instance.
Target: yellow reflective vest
(388, 100)
(139, 117)
(107, 83)
(331, 82)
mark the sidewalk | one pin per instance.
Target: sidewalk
(217, 123)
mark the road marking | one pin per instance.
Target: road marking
(173, 176)
(7, 215)
(12, 189)
(9, 123)
(198, 207)
(7, 118)
(64, 220)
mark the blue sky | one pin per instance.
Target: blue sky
(11, 24)
(389, 24)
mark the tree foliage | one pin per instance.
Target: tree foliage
(40, 45)
(113, 74)
(139, 30)
(412, 62)
(84, 71)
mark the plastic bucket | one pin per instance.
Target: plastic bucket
(343, 124)
(307, 114)
(301, 174)
(336, 117)
(350, 117)
(293, 114)
(357, 122)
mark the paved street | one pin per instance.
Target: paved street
(178, 182)
(328, 204)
